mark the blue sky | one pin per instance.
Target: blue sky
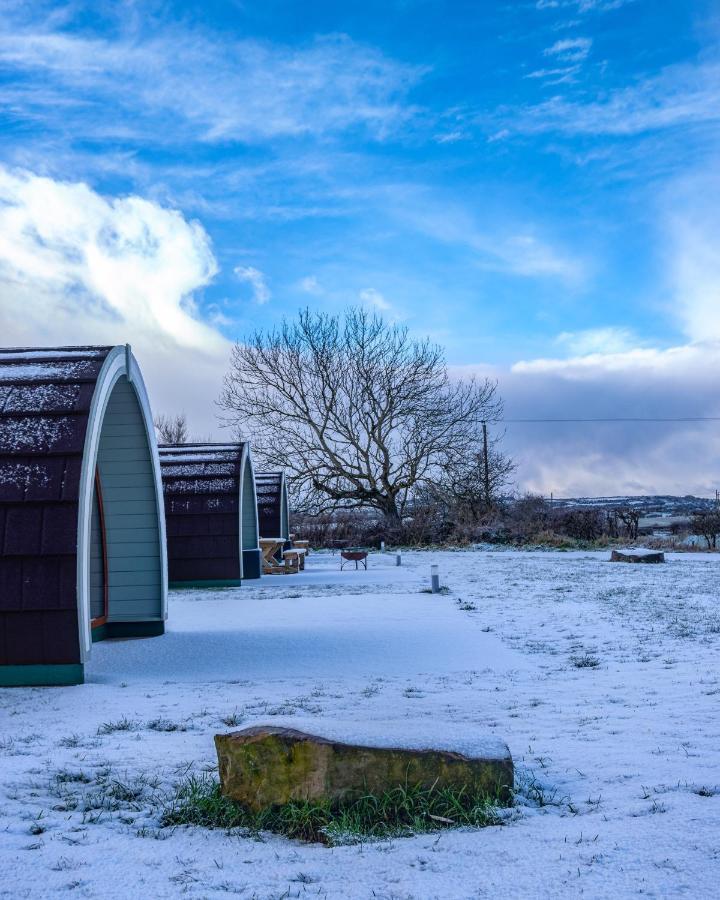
(531, 183)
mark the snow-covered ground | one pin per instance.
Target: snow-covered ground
(604, 679)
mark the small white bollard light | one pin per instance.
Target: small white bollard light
(434, 579)
(382, 546)
(398, 559)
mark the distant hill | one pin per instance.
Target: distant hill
(660, 505)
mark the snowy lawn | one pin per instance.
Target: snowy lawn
(604, 679)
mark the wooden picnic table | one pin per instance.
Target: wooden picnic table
(272, 554)
(295, 556)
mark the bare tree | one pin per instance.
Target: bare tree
(476, 481)
(630, 518)
(706, 524)
(172, 429)
(356, 411)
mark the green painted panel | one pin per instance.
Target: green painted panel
(135, 602)
(130, 488)
(128, 552)
(126, 442)
(38, 676)
(127, 630)
(129, 502)
(136, 577)
(118, 478)
(131, 521)
(249, 512)
(124, 454)
(140, 536)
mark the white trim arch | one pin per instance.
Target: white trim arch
(118, 363)
(246, 460)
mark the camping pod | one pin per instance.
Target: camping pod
(210, 514)
(82, 529)
(273, 506)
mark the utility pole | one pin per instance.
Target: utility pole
(486, 466)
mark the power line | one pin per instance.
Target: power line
(611, 419)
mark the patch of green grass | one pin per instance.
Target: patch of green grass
(166, 725)
(233, 719)
(401, 812)
(466, 606)
(123, 724)
(586, 661)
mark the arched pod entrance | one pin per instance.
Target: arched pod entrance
(81, 519)
(250, 532)
(273, 506)
(210, 514)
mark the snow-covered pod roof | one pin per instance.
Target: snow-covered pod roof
(210, 513)
(82, 532)
(273, 505)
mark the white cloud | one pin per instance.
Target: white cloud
(614, 457)
(375, 299)
(692, 212)
(680, 360)
(256, 280)
(570, 49)
(202, 87)
(310, 285)
(77, 267)
(598, 340)
(609, 373)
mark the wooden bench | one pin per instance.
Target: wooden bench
(295, 557)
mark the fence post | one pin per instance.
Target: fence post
(434, 579)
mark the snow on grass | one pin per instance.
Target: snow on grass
(603, 679)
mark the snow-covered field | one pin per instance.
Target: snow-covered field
(603, 679)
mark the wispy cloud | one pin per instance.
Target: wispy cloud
(256, 279)
(680, 95)
(562, 75)
(583, 6)
(206, 88)
(570, 50)
(512, 247)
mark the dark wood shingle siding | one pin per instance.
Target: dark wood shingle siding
(269, 490)
(201, 486)
(45, 399)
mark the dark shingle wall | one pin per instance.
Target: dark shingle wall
(45, 399)
(201, 485)
(268, 487)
